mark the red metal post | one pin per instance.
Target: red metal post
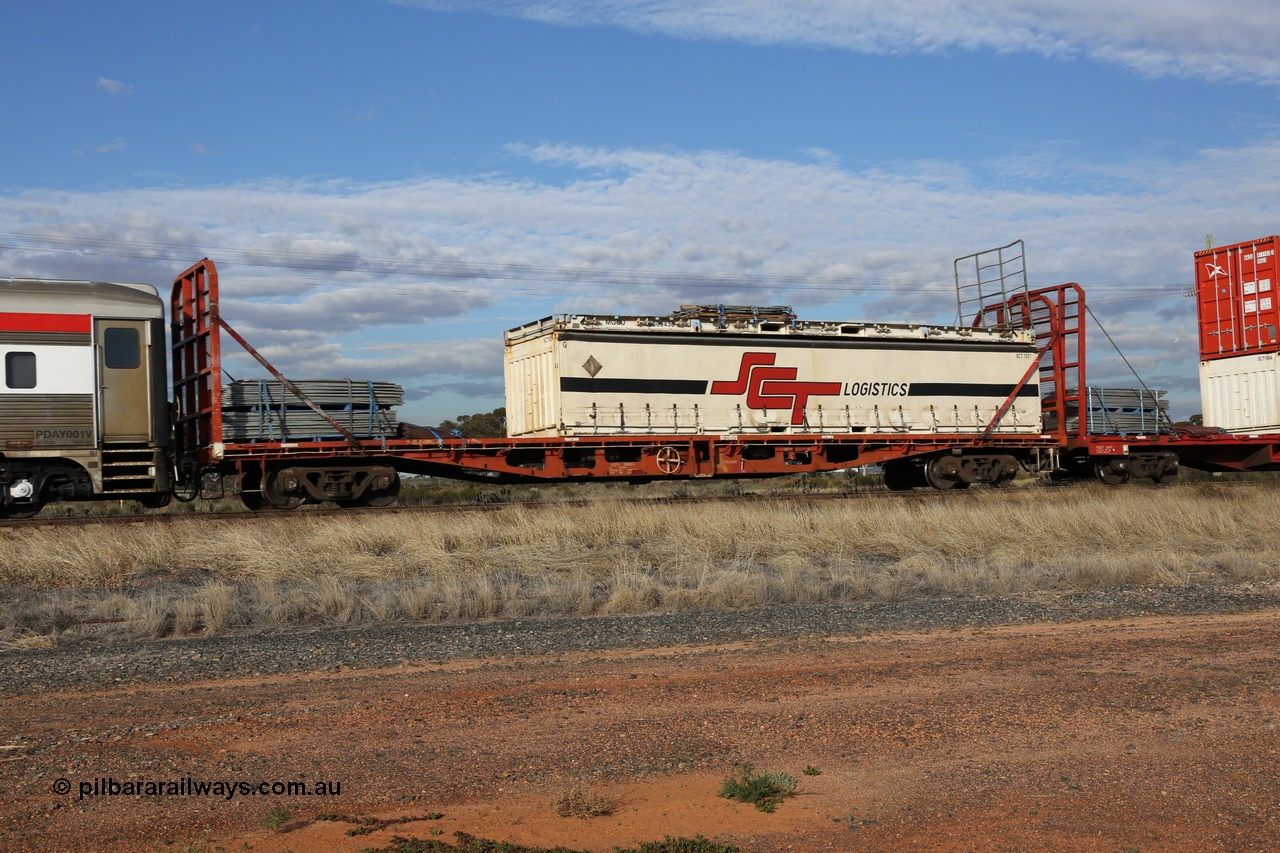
(1056, 316)
(197, 361)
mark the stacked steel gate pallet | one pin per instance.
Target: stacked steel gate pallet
(265, 410)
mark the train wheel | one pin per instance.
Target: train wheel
(943, 472)
(277, 489)
(386, 497)
(1113, 472)
(1167, 473)
(1006, 473)
(251, 490)
(31, 504)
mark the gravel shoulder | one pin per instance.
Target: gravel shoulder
(186, 660)
(1141, 719)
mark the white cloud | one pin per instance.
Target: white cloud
(117, 144)
(1188, 38)
(313, 355)
(201, 149)
(114, 88)
(418, 278)
(347, 309)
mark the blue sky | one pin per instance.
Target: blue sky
(387, 186)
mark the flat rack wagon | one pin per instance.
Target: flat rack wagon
(1049, 329)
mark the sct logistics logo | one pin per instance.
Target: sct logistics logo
(770, 387)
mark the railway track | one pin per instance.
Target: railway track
(311, 511)
(426, 509)
(247, 515)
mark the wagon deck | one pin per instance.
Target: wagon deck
(358, 469)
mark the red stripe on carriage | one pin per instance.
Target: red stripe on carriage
(12, 322)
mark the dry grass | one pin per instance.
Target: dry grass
(583, 803)
(620, 557)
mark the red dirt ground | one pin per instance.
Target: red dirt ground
(1143, 735)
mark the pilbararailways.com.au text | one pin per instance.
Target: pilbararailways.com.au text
(226, 789)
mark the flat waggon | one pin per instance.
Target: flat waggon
(707, 391)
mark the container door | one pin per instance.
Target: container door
(124, 380)
(1238, 305)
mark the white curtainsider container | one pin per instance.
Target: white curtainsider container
(1241, 394)
(597, 375)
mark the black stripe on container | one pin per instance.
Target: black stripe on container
(969, 389)
(633, 386)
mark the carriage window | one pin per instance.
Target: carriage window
(120, 349)
(20, 369)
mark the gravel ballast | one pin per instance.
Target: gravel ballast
(188, 660)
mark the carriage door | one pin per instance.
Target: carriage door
(124, 380)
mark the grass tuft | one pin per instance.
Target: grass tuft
(616, 556)
(582, 803)
(471, 844)
(763, 790)
(276, 819)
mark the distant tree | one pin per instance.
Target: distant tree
(1194, 420)
(480, 425)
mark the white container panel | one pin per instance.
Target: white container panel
(1241, 394)
(662, 383)
(532, 389)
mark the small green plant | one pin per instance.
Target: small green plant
(810, 770)
(366, 825)
(470, 844)
(763, 790)
(276, 819)
(697, 844)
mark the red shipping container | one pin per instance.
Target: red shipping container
(1236, 299)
